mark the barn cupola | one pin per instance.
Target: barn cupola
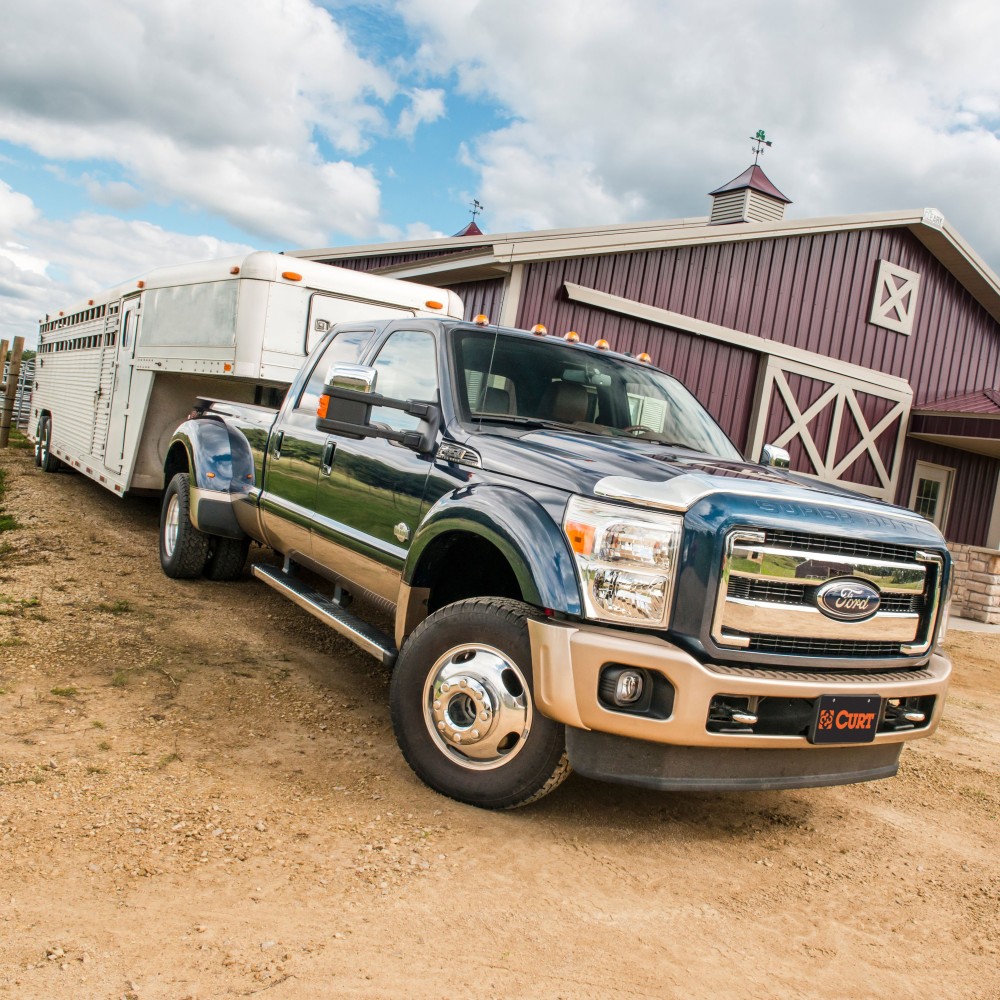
(751, 197)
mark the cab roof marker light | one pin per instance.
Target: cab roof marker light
(291, 275)
(573, 337)
(644, 358)
(539, 330)
(602, 345)
(482, 320)
(234, 270)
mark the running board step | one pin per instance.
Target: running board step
(369, 638)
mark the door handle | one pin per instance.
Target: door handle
(327, 460)
(278, 439)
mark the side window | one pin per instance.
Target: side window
(344, 349)
(407, 369)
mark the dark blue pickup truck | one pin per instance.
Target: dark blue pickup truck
(582, 571)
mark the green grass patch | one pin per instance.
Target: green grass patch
(119, 679)
(97, 724)
(7, 521)
(64, 692)
(104, 745)
(118, 607)
(18, 440)
(168, 759)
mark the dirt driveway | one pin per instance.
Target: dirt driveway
(200, 796)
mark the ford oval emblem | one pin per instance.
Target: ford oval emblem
(848, 600)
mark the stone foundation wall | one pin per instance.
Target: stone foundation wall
(977, 583)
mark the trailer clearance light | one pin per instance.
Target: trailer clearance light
(431, 304)
(291, 275)
(234, 270)
(626, 560)
(140, 284)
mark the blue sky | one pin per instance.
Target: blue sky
(136, 133)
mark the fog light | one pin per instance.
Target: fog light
(629, 688)
(623, 687)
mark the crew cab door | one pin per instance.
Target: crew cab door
(368, 503)
(295, 451)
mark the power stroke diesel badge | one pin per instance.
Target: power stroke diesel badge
(848, 600)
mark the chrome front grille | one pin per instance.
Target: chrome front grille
(771, 583)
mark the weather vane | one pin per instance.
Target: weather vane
(759, 142)
(477, 207)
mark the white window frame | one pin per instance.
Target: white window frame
(943, 474)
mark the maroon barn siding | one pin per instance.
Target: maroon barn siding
(973, 491)
(481, 297)
(813, 292)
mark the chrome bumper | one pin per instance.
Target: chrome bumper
(567, 661)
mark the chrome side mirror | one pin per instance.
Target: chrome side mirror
(771, 454)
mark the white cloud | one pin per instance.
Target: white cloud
(230, 107)
(637, 110)
(47, 265)
(425, 106)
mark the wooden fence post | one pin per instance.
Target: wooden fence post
(10, 393)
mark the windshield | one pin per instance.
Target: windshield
(505, 378)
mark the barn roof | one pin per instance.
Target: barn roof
(473, 257)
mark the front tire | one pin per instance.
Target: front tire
(183, 548)
(463, 711)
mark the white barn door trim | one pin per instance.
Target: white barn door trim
(842, 395)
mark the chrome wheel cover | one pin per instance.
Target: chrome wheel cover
(171, 525)
(477, 707)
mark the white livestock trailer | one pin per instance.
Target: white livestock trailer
(115, 375)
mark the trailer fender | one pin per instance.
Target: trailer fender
(513, 522)
(205, 448)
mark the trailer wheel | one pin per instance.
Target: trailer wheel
(43, 455)
(226, 558)
(183, 548)
(463, 712)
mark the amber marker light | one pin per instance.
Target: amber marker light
(644, 358)
(227, 367)
(234, 270)
(602, 345)
(539, 330)
(324, 405)
(90, 302)
(291, 275)
(431, 304)
(140, 284)
(572, 336)
(482, 320)
(581, 537)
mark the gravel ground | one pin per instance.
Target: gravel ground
(200, 796)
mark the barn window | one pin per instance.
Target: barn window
(895, 301)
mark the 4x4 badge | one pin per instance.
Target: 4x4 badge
(848, 599)
(401, 531)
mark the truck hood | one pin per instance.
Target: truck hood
(641, 471)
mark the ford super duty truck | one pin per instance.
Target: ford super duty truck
(582, 572)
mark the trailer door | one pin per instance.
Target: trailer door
(128, 329)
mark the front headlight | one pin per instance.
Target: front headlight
(626, 560)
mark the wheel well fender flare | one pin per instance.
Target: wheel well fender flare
(519, 527)
(215, 458)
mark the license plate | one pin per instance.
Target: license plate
(845, 719)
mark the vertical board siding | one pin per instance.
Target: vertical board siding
(973, 490)
(481, 297)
